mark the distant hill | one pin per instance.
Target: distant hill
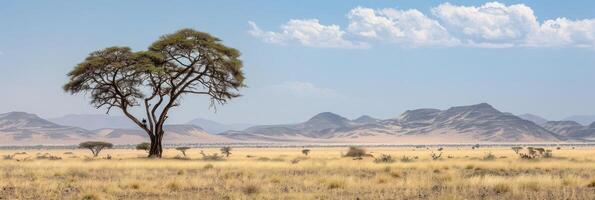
(534, 118)
(20, 128)
(29, 129)
(93, 122)
(174, 134)
(474, 123)
(365, 119)
(572, 129)
(216, 127)
(585, 120)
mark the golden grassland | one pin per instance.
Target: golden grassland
(285, 173)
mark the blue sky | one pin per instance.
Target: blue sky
(304, 57)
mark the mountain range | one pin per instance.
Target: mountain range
(462, 124)
(480, 123)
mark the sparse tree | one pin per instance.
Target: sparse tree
(226, 151)
(183, 150)
(436, 156)
(305, 151)
(145, 146)
(154, 81)
(517, 149)
(95, 146)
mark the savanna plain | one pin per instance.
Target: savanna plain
(288, 173)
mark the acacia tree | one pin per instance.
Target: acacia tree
(95, 146)
(226, 151)
(154, 81)
(183, 150)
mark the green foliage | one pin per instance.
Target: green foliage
(178, 64)
(306, 151)
(226, 151)
(517, 149)
(95, 146)
(145, 146)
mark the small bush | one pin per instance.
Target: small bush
(212, 157)
(384, 158)
(48, 156)
(8, 157)
(489, 156)
(591, 184)
(355, 152)
(173, 186)
(250, 189)
(501, 188)
(91, 196)
(406, 159)
(336, 184)
(208, 166)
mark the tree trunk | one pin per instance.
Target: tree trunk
(156, 149)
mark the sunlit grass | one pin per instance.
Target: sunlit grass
(265, 173)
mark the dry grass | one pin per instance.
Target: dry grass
(324, 174)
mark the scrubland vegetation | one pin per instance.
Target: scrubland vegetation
(287, 173)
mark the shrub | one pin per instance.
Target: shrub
(336, 184)
(47, 156)
(8, 157)
(535, 153)
(406, 159)
(501, 188)
(226, 151)
(516, 149)
(295, 161)
(436, 156)
(208, 166)
(145, 146)
(250, 189)
(355, 152)
(306, 151)
(384, 158)
(212, 157)
(489, 156)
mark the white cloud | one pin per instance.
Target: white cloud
(565, 32)
(491, 25)
(401, 26)
(302, 89)
(307, 32)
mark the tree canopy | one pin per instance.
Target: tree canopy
(95, 146)
(154, 80)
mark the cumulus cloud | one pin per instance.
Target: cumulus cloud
(565, 32)
(302, 89)
(308, 32)
(409, 27)
(491, 25)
